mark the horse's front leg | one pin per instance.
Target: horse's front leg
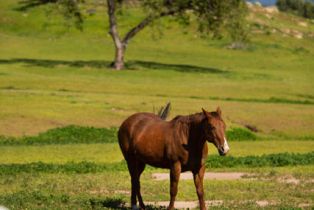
(198, 181)
(174, 180)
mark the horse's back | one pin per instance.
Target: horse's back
(143, 135)
(133, 126)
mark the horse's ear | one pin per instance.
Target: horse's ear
(207, 115)
(218, 111)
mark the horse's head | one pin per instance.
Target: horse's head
(214, 129)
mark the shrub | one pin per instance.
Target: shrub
(213, 161)
(273, 160)
(240, 134)
(34, 199)
(66, 135)
(79, 168)
(298, 7)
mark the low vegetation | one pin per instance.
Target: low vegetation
(77, 168)
(61, 105)
(304, 8)
(240, 134)
(272, 160)
(214, 161)
(90, 135)
(65, 135)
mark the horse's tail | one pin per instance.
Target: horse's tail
(164, 111)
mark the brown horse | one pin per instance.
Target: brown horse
(179, 145)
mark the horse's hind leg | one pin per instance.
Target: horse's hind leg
(140, 168)
(136, 168)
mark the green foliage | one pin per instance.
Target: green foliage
(25, 199)
(214, 161)
(213, 16)
(298, 7)
(272, 160)
(70, 10)
(269, 100)
(66, 135)
(308, 10)
(86, 135)
(35, 199)
(39, 76)
(240, 134)
(78, 168)
(237, 26)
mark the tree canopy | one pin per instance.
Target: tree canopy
(298, 7)
(211, 16)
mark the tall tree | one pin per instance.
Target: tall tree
(211, 16)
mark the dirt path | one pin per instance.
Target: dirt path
(219, 176)
(186, 204)
(210, 203)
(208, 175)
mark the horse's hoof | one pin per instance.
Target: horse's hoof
(134, 207)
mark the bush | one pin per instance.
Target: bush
(66, 135)
(298, 7)
(213, 161)
(79, 168)
(34, 199)
(272, 160)
(240, 134)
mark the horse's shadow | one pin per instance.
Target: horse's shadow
(116, 204)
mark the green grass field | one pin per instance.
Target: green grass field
(51, 77)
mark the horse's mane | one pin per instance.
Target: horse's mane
(189, 118)
(197, 117)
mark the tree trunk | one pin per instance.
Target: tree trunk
(120, 44)
(118, 63)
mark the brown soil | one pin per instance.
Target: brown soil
(186, 204)
(208, 175)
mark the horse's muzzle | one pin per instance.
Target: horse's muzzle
(221, 151)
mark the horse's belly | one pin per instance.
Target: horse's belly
(160, 165)
(153, 155)
(158, 162)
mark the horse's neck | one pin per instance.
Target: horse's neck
(192, 126)
(196, 133)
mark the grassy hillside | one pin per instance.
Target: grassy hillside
(60, 106)
(52, 77)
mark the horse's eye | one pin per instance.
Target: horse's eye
(211, 127)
